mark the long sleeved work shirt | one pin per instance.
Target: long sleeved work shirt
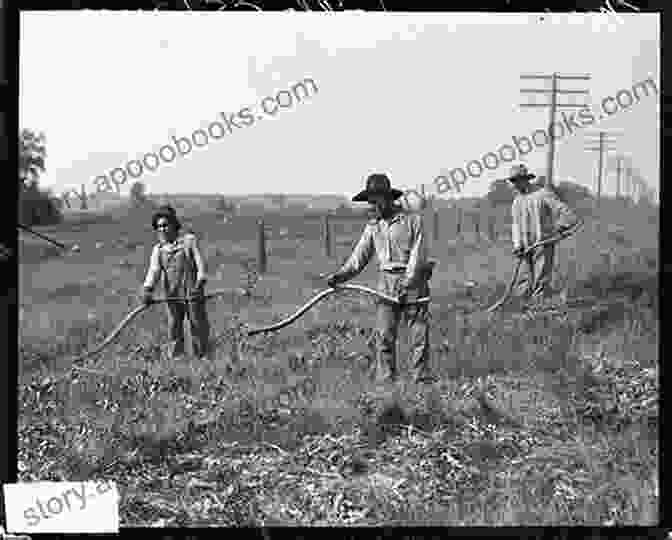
(180, 263)
(399, 244)
(538, 215)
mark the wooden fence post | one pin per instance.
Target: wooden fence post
(570, 282)
(605, 270)
(613, 263)
(605, 261)
(262, 259)
(326, 232)
(436, 225)
(83, 205)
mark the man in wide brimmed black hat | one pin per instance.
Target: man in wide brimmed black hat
(178, 260)
(398, 239)
(537, 214)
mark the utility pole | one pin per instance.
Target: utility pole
(554, 105)
(603, 145)
(599, 169)
(640, 190)
(634, 186)
(639, 187)
(623, 183)
(626, 182)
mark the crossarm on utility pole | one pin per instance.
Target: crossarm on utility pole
(554, 105)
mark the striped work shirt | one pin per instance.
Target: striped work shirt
(538, 215)
(399, 244)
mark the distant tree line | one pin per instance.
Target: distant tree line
(225, 205)
(39, 206)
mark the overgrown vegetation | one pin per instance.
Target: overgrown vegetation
(540, 418)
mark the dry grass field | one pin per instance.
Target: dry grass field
(545, 418)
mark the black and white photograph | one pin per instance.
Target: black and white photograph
(364, 269)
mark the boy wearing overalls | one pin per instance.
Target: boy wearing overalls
(177, 260)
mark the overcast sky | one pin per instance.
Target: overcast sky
(411, 95)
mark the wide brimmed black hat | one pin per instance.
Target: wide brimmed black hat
(519, 173)
(168, 212)
(377, 184)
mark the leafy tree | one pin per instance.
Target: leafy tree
(32, 156)
(278, 199)
(36, 206)
(225, 205)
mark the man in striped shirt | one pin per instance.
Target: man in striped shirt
(178, 261)
(537, 213)
(398, 240)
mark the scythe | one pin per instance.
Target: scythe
(514, 278)
(303, 309)
(251, 332)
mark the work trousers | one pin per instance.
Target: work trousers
(389, 317)
(536, 285)
(200, 327)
